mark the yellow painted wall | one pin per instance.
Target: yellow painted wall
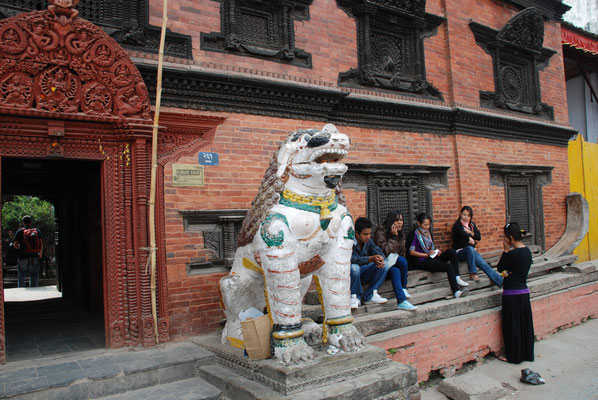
(583, 177)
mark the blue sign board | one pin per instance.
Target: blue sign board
(208, 158)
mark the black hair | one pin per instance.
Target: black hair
(27, 220)
(362, 223)
(421, 217)
(513, 230)
(468, 209)
(391, 218)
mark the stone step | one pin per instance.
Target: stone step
(393, 381)
(186, 389)
(108, 373)
(427, 286)
(374, 323)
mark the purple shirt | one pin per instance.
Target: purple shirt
(416, 246)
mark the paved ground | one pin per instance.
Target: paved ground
(31, 293)
(568, 361)
(39, 329)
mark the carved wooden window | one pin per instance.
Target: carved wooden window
(390, 45)
(523, 197)
(126, 21)
(396, 187)
(260, 28)
(220, 229)
(517, 56)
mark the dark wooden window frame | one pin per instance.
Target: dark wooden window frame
(220, 229)
(390, 45)
(417, 181)
(517, 56)
(536, 177)
(277, 40)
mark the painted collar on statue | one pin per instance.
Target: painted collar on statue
(320, 205)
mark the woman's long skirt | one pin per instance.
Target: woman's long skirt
(517, 328)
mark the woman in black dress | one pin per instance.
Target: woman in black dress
(517, 321)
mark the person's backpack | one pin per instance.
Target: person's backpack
(32, 242)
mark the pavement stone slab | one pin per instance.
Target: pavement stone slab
(472, 386)
(26, 386)
(18, 375)
(58, 368)
(65, 378)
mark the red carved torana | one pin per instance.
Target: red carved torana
(65, 88)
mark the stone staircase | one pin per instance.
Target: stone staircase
(203, 369)
(167, 372)
(432, 294)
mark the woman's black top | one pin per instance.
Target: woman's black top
(460, 238)
(517, 262)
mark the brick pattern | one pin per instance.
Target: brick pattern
(245, 145)
(455, 64)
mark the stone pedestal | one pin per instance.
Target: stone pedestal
(366, 374)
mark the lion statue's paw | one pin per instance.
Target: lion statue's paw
(349, 339)
(295, 353)
(312, 332)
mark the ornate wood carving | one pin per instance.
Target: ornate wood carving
(517, 55)
(403, 187)
(536, 177)
(263, 29)
(220, 231)
(61, 64)
(126, 21)
(390, 48)
(552, 9)
(184, 134)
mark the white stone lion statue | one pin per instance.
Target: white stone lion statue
(298, 227)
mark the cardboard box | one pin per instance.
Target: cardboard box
(256, 335)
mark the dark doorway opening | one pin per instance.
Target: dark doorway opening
(73, 321)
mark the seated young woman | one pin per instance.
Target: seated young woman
(391, 240)
(424, 255)
(465, 236)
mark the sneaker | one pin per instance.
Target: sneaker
(376, 299)
(405, 305)
(461, 282)
(392, 259)
(406, 293)
(355, 303)
(461, 293)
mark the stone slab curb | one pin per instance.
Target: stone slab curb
(472, 386)
(97, 376)
(374, 323)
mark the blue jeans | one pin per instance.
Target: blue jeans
(28, 266)
(475, 261)
(398, 276)
(366, 273)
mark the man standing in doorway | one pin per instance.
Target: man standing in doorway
(28, 241)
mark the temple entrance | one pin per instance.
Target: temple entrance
(65, 313)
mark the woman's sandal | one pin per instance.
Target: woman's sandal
(502, 358)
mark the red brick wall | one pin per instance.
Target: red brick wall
(245, 145)
(455, 64)
(447, 346)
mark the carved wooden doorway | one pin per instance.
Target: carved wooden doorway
(69, 92)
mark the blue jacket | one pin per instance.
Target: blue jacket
(360, 256)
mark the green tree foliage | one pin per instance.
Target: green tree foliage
(41, 211)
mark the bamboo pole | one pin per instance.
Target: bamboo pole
(152, 198)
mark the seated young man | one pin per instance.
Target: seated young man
(367, 265)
